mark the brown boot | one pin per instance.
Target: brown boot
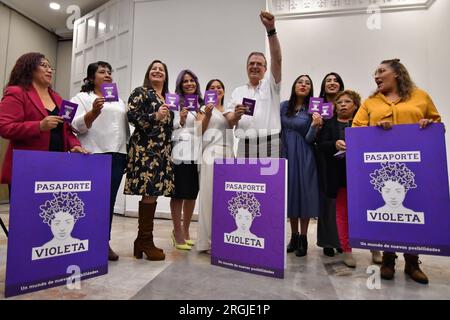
(412, 268)
(387, 268)
(144, 241)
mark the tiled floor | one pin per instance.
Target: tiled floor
(190, 276)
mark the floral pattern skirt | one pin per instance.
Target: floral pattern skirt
(149, 170)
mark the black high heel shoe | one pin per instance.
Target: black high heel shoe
(329, 252)
(302, 246)
(293, 244)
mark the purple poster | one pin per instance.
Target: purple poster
(173, 101)
(211, 97)
(326, 111)
(250, 104)
(398, 193)
(68, 110)
(109, 92)
(59, 235)
(315, 105)
(191, 102)
(249, 216)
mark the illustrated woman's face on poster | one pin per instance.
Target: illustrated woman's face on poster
(393, 194)
(62, 225)
(244, 220)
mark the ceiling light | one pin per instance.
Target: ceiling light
(54, 6)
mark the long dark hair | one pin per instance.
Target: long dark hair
(179, 86)
(22, 72)
(323, 94)
(293, 99)
(405, 85)
(147, 84)
(89, 85)
(221, 83)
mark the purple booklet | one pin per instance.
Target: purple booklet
(327, 111)
(211, 97)
(191, 102)
(250, 104)
(67, 110)
(173, 101)
(315, 105)
(109, 92)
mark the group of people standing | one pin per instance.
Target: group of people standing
(316, 152)
(170, 153)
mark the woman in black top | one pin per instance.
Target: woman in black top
(332, 145)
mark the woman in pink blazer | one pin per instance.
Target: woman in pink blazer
(29, 112)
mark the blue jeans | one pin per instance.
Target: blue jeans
(119, 162)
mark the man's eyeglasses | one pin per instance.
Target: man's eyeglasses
(256, 64)
(47, 66)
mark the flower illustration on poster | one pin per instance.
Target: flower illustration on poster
(61, 214)
(393, 181)
(244, 208)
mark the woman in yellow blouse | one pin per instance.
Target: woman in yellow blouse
(397, 101)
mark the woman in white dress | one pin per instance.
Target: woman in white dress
(102, 127)
(217, 144)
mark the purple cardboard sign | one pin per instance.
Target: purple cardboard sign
(68, 110)
(62, 229)
(327, 110)
(173, 101)
(191, 102)
(315, 105)
(249, 215)
(212, 97)
(398, 193)
(109, 92)
(250, 104)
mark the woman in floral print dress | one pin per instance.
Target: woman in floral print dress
(149, 172)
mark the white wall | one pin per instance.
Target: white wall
(345, 45)
(18, 35)
(4, 34)
(211, 37)
(25, 36)
(63, 66)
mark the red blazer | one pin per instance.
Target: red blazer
(20, 114)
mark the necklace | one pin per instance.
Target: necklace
(160, 97)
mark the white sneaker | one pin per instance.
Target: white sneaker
(349, 261)
(376, 256)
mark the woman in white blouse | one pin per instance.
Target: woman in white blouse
(217, 144)
(102, 127)
(185, 153)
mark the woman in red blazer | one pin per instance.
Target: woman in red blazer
(29, 112)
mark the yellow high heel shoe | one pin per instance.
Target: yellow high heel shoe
(183, 246)
(189, 242)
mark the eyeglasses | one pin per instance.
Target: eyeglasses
(344, 101)
(47, 66)
(378, 72)
(256, 64)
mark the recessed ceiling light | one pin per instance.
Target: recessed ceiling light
(54, 6)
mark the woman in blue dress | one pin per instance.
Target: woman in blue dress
(299, 129)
